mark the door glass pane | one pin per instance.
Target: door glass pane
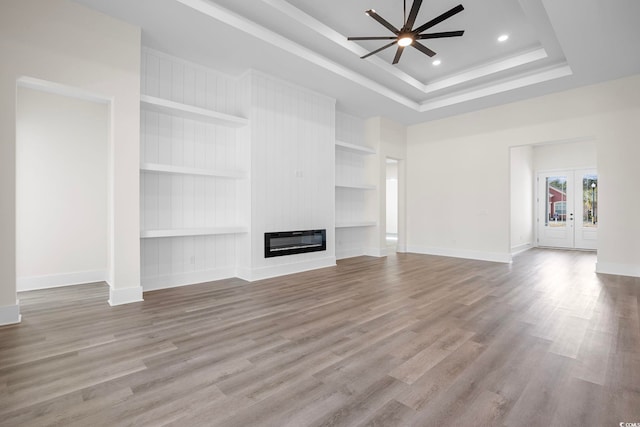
(556, 207)
(590, 201)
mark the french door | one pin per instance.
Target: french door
(567, 209)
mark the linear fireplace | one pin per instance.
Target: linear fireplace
(294, 242)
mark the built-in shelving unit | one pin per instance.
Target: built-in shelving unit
(197, 114)
(356, 186)
(354, 148)
(181, 170)
(354, 224)
(355, 191)
(351, 185)
(193, 173)
(159, 105)
(176, 232)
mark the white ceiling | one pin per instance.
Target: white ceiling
(553, 45)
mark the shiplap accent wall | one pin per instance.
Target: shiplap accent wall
(354, 189)
(285, 158)
(172, 78)
(292, 173)
(352, 241)
(184, 201)
(350, 128)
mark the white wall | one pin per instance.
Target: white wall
(458, 192)
(568, 155)
(65, 43)
(522, 188)
(292, 132)
(458, 171)
(62, 182)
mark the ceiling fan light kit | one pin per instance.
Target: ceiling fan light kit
(405, 40)
(409, 36)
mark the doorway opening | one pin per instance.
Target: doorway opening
(391, 227)
(63, 186)
(554, 195)
(567, 209)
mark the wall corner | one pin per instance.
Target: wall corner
(120, 296)
(10, 314)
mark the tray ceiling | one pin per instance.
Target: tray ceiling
(552, 46)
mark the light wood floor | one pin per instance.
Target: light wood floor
(410, 340)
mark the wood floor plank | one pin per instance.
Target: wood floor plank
(69, 408)
(415, 367)
(439, 378)
(587, 407)
(393, 413)
(570, 337)
(492, 366)
(542, 396)
(407, 340)
(487, 409)
(593, 356)
(362, 405)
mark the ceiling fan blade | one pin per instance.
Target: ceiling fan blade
(422, 48)
(440, 35)
(448, 14)
(413, 14)
(378, 50)
(373, 38)
(398, 54)
(372, 13)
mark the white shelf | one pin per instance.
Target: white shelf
(354, 148)
(354, 224)
(180, 170)
(178, 232)
(159, 105)
(356, 187)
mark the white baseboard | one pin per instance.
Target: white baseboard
(185, 279)
(515, 250)
(119, 296)
(376, 252)
(10, 314)
(457, 253)
(349, 253)
(632, 270)
(57, 280)
(284, 269)
(243, 273)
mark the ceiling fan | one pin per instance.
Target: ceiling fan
(409, 36)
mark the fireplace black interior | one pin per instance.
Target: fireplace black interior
(294, 242)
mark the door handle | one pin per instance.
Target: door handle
(570, 217)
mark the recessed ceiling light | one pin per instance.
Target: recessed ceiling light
(503, 38)
(437, 62)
